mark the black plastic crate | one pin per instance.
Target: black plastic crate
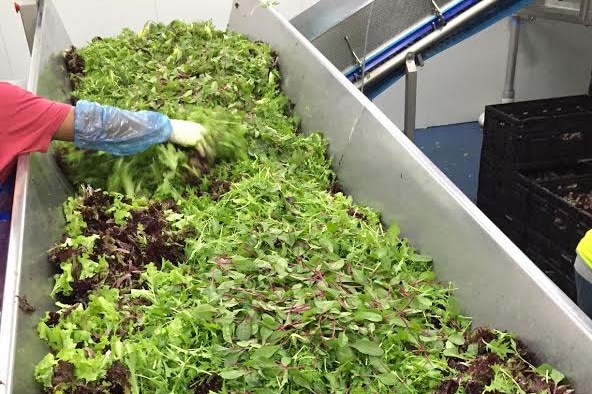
(501, 194)
(557, 255)
(493, 179)
(539, 134)
(550, 214)
(564, 280)
(513, 227)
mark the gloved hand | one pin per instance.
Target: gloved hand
(191, 134)
(121, 132)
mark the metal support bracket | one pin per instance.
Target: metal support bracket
(440, 21)
(410, 95)
(354, 55)
(590, 87)
(586, 12)
(509, 93)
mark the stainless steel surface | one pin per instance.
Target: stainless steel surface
(36, 225)
(410, 96)
(327, 27)
(498, 285)
(572, 11)
(29, 17)
(586, 12)
(46, 76)
(9, 317)
(324, 15)
(509, 94)
(388, 67)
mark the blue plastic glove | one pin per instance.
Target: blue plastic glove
(117, 131)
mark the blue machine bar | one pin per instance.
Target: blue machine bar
(423, 29)
(487, 19)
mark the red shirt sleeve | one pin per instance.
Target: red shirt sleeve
(27, 123)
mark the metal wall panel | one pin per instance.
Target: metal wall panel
(572, 11)
(37, 223)
(44, 190)
(326, 14)
(498, 285)
(14, 51)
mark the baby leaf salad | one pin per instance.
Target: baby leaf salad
(251, 272)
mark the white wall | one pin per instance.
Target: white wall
(14, 52)
(133, 13)
(554, 59)
(14, 55)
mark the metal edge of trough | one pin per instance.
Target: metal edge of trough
(499, 285)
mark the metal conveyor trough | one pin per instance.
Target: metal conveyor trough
(498, 285)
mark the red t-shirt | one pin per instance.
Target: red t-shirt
(27, 124)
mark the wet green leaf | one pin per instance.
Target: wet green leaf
(370, 316)
(388, 379)
(232, 374)
(367, 347)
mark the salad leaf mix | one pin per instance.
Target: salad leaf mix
(251, 272)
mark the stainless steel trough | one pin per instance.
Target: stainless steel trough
(497, 284)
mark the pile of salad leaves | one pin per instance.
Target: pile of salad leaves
(251, 273)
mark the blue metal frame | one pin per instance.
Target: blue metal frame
(425, 28)
(488, 19)
(421, 30)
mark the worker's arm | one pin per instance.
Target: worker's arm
(66, 130)
(28, 123)
(94, 126)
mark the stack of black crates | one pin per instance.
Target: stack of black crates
(536, 156)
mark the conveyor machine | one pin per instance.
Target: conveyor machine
(376, 42)
(497, 284)
(370, 41)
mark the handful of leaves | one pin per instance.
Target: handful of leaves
(162, 169)
(225, 133)
(258, 276)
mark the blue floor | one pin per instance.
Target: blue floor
(456, 150)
